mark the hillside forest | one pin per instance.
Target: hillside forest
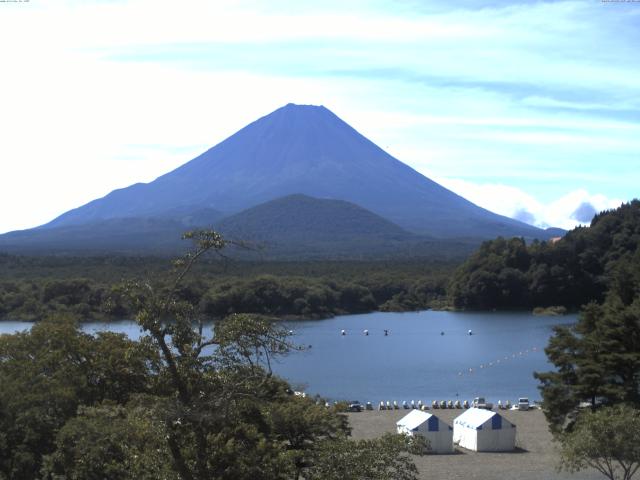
(91, 287)
(573, 271)
(501, 274)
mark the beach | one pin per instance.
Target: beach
(535, 457)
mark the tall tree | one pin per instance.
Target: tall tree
(47, 373)
(598, 359)
(183, 402)
(209, 393)
(607, 440)
(385, 458)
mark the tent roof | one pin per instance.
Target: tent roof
(474, 417)
(414, 419)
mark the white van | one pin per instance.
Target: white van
(523, 403)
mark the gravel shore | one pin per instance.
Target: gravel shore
(535, 457)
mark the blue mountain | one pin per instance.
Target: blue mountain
(302, 149)
(299, 181)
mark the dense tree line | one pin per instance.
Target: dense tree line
(503, 273)
(306, 290)
(592, 397)
(571, 272)
(597, 360)
(177, 404)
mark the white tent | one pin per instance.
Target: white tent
(437, 432)
(484, 431)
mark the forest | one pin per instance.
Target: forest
(501, 274)
(32, 287)
(179, 405)
(176, 404)
(572, 271)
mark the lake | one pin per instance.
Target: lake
(415, 361)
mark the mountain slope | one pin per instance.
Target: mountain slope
(303, 227)
(121, 235)
(303, 149)
(115, 235)
(303, 219)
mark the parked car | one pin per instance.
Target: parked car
(355, 406)
(480, 402)
(523, 403)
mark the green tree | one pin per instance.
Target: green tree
(47, 373)
(300, 423)
(385, 458)
(110, 441)
(571, 272)
(181, 402)
(597, 361)
(607, 440)
(222, 408)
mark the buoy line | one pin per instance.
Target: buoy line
(499, 361)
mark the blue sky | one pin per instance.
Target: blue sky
(530, 109)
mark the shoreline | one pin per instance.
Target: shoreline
(535, 312)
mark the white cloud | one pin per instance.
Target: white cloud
(509, 201)
(462, 93)
(52, 163)
(166, 22)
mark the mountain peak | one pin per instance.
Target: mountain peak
(301, 114)
(303, 106)
(303, 149)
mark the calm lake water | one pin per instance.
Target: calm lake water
(414, 361)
